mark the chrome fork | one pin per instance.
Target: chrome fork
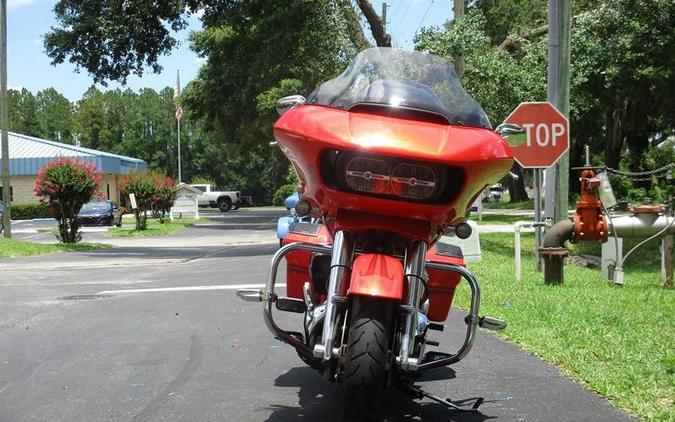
(340, 265)
(414, 273)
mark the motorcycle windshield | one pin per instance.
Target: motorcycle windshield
(391, 79)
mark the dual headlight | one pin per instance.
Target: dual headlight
(405, 180)
(391, 177)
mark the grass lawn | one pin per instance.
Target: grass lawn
(529, 205)
(13, 248)
(617, 341)
(500, 219)
(154, 227)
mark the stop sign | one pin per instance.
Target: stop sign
(547, 133)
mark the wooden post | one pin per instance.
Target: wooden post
(667, 261)
(458, 12)
(6, 188)
(558, 94)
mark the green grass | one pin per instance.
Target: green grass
(617, 341)
(154, 227)
(15, 248)
(528, 205)
(500, 219)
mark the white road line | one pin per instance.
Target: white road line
(188, 288)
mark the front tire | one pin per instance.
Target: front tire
(366, 359)
(224, 204)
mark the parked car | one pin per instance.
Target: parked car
(224, 200)
(495, 194)
(100, 213)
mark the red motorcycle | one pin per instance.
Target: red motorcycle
(389, 155)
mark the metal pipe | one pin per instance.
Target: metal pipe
(554, 251)
(472, 319)
(641, 225)
(341, 260)
(516, 230)
(414, 273)
(558, 234)
(269, 296)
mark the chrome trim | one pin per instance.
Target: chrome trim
(268, 293)
(414, 273)
(341, 260)
(472, 320)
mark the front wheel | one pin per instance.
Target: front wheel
(366, 358)
(224, 204)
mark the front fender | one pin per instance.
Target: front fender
(377, 275)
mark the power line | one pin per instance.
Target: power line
(425, 16)
(402, 16)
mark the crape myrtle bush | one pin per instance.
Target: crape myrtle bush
(163, 198)
(142, 185)
(65, 185)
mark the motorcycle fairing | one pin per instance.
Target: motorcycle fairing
(305, 132)
(377, 275)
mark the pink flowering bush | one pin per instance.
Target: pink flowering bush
(65, 185)
(142, 185)
(163, 198)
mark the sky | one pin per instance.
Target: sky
(30, 68)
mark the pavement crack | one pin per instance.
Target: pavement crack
(191, 365)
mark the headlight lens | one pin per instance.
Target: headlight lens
(367, 175)
(413, 181)
(391, 177)
(372, 175)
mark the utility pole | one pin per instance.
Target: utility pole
(458, 11)
(6, 197)
(557, 176)
(384, 17)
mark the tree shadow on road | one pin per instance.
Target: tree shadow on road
(319, 400)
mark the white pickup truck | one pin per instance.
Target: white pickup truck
(225, 201)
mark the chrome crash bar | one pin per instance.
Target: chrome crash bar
(472, 320)
(268, 296)
(342, 251)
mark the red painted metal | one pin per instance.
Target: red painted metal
(377, 275)
(442, 285)
(305, 132)
(297, 262)
(590, 223)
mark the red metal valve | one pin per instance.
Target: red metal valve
(590, 223)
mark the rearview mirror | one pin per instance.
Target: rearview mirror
(287, 103)
(512, 133)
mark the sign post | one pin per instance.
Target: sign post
(547, 140)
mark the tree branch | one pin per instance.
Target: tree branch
(376, 28)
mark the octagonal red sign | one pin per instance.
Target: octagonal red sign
(547, 134)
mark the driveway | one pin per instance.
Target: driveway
(153, 332)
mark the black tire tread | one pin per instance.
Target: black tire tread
(364, 370)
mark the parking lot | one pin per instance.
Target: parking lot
(151, 331)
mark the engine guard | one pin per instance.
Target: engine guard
(433, 360)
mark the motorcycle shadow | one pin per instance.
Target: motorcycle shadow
(319, 400)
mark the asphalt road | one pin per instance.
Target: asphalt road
(87, 337)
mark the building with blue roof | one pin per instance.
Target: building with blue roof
(27, 155)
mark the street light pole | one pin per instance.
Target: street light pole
(6, 197)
